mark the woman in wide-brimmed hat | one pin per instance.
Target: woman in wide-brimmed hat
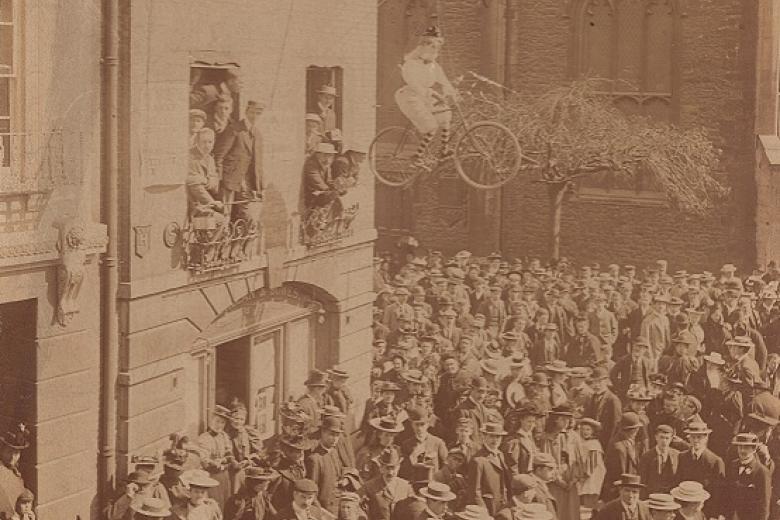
(253, 501)
(385, 431)
(199, 505)
(215, 445)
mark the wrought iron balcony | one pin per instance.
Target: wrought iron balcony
(327, 224)
(213, 242)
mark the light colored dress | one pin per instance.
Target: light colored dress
(593, 462)
(416, 99)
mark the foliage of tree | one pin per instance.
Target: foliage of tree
(576, 130)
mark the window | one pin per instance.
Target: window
(224, 180)
(7, 79)
(629, 46)
(318, 80)
(332, 166)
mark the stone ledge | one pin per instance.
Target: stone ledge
(36, 247)
(769, 148)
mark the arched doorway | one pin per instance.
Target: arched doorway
(259, 351)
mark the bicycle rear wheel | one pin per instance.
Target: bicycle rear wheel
(487, 155)
(391, 154)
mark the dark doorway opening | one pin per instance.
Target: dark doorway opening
(232, 372)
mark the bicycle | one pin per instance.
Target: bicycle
(486, 154)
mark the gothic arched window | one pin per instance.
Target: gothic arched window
(629, 45)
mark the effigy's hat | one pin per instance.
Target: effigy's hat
(433, 31)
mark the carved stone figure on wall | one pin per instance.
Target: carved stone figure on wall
(70, 273)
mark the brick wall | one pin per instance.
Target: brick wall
(714, 88)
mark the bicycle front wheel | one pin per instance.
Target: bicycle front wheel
(391, 154)
(487, 155)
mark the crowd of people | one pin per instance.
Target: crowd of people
(515, 391)
(615, 392)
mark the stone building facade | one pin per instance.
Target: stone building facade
(208, 309)
(687, 62)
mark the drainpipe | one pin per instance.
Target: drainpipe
(508, 31)
(109, 325)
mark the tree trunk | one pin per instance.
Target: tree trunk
(556, 193)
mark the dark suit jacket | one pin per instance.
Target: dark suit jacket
(709, 470)
(433, 449)
(747, 494)
(606, 409)
(583, 351)
(238, 154)
(383, 500)
(621, 374)
(614, 511)
(487, 481)
(316, 179)
(659, 482)
(324, 468)
(620, 457)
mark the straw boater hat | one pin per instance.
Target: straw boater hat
(338, 373)
(557, 367)
(438, 491)
(745, 439)
(493, 428)
(150, 507)
(386, 424)
(629, 480)
(690, 491)
(593, 423)
(198, 478)
(740, 341)
(662, 502)
(715, 358)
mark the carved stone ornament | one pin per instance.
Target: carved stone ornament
(171, 234)
(70, 272)
(142, 240)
